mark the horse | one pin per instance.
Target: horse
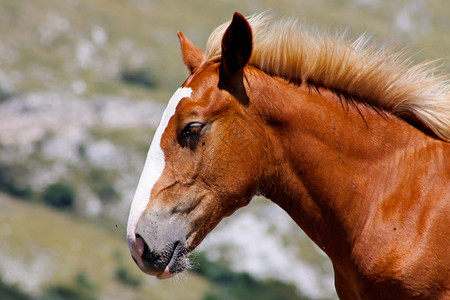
(351, 140)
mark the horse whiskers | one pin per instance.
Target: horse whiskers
(192, 264)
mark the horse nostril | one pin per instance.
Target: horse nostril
(140, 245)
(149, 261)
(144, 253)
(150, 257)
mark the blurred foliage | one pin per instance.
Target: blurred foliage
(80, 289)
(138, 77)
(63, 293)
(122, 273)
(4, 95)
(101, 182)
(126, 277)
(59, 195)
(10, 181)
(11, 292)
(84, 284)
(240, 285)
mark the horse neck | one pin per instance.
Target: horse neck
(327, 157)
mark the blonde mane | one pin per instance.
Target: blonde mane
(381, 78)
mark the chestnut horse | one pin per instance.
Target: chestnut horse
(352, 142)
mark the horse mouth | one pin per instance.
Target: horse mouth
(179, 259)
(177, 262)
(171, 261)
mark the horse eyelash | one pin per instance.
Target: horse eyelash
(191, 129)
(190, 135)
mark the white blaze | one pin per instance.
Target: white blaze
(154, 164)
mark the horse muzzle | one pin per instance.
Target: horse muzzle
(159, 249)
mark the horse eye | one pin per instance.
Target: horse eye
(192, 129)
(190, 135)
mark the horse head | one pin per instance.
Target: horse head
(205, 160)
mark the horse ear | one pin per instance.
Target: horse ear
(236, 46)
(192, 55)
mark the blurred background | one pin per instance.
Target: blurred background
(82, 86)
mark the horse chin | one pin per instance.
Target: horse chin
(166, 274)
